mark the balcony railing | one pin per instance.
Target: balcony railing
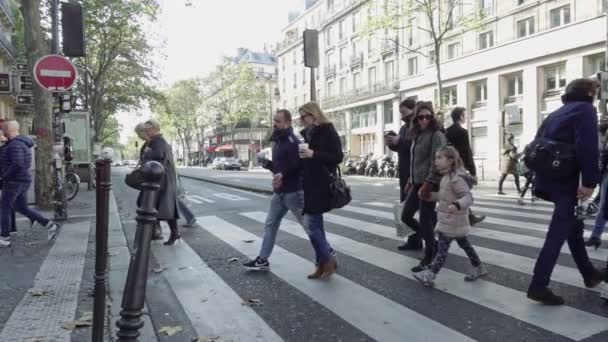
(358, 94)
(330, 70)
(356, 60)
(6, 14)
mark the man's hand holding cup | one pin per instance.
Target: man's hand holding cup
(304, 151)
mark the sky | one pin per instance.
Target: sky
(190, 40)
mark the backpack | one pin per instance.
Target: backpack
(550, 158)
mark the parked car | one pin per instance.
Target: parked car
(218, 163)
(231, 164)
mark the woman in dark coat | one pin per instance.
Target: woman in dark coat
(508, 163)
(320, 159)
(157, 149)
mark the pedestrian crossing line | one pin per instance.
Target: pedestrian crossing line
(200, 198)
(497, 235)
(375, 315)
(230, 197)
(504, 300)
(492, 220)
(192, 199)
(222, 314)
(517, 263)
(515, 206)
(60, 276)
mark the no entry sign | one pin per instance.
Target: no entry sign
(55, 73)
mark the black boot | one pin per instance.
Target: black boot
(594, 241)
(174, 233)
(473, 220)
(414, 243)
(545, 296)
(429, 255)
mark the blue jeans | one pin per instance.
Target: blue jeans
(600, 221)
(183, 208)
(14, 197)
(280, 203)
(313, 223)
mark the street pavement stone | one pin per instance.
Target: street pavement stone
(58, 282)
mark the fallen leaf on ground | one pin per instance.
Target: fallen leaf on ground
(86, 320)
(248, 241)
(159, 270)
(170, 331)
(38, 292)
(253, 302)
(233, 260)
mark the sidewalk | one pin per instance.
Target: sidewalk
(48, 286)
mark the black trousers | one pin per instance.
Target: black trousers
(424, 230)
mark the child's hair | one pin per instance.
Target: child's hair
(451, 153)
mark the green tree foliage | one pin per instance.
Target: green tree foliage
(437, 19)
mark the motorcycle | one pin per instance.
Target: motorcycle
(372, 168)
(385, 167)
(351, 166)
(361, 165)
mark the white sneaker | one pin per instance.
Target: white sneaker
(5, 242)
(476, 273)
(52, 230)
(426, 277)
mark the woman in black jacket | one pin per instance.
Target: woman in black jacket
(320, 159)
(2, 151)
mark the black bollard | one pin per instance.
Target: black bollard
(102, 208)
(135, 288)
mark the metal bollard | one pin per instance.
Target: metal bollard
(135, 288)
(102, 207)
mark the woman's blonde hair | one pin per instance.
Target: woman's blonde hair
(451, 153)
(140, 128)
(313, 109)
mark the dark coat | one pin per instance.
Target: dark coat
(17, 160)
(509, 159)
(325, 142)
(285, 160)
(574, 123)
(458, 137)
(159, 150)
(403, 151)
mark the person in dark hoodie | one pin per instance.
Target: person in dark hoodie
(3, 141)
(286, 183)
(402, 143)
(574, 124)
(16, 180)
(320, 156)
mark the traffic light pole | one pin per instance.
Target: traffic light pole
(60, 201)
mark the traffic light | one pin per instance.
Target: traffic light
(311, 48)
(72, 26)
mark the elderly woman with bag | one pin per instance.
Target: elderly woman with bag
(321, 155)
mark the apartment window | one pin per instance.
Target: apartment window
(356, 80)
(520, 2)
(481, 91)
(371, 45)
(597, 63)
(515, 86)
(486, 6)
(342, 29)
(356, 48)
(283, 63)
(560, 16)
(371, 72)
(450, 97)
(604, 5)
(305, 98)
(330, 5)
(342, 85)
(388, 112)
(330, 89)
(412, 66)
(479, 141)
(453, 50)
(330, 60)
(525, 27)
(356, 21)
(304, 76)
(342, 58)
(432, 57)
(486, 40)
(284, 85)
(555, 78)
(328, 36)
(410, 32)
(295, 57)
(389, 72)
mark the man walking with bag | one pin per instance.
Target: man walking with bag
(287, 185)
(571, 130)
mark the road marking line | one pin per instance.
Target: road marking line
(370, 312)
(222, 314)
(192, 199)
(495, 297)
(230, 197)
(200, 198)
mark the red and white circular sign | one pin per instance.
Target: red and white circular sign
(55, 73)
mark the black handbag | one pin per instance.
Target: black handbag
(339, 191)
(135, 178)
(550, 158)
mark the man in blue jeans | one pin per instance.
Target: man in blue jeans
(16, 180)
(287, 185)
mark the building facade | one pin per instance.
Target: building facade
(509, 73)
(7, 61)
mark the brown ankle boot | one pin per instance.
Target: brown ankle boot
(330, 268)
(317, 273)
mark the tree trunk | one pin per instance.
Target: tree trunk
(36, 47)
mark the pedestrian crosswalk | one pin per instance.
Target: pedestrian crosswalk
(363, 241)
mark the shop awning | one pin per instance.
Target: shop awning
(212, 149)
(225, 147)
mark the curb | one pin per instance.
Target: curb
(230, 185)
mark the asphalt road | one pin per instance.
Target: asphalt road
(199, 286)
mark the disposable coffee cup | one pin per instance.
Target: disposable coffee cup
(303, 147)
